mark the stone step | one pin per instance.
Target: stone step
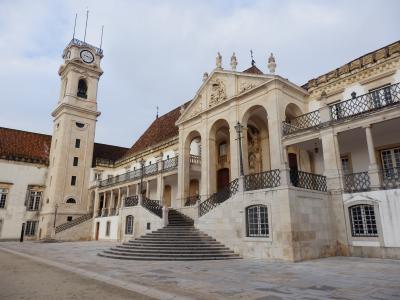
(171, 255)
(177, 258)
(174, 251)
(165, 247)
(179, 240)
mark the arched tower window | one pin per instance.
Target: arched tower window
(82, 88)
(71, 200)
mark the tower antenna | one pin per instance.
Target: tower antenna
(73, 35)
(253, 62)
(87, 17)
(101, 38)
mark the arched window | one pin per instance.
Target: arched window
(71, 200)
(363, 221)
(129, 225)
(82, 88)
(257, 221)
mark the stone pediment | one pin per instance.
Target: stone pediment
(220, 87)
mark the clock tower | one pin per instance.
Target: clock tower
(74, 120)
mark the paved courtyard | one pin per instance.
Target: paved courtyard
(332, 278)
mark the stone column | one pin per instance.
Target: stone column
(148, 189)
(211, 174)
(160, 188)
(245, 148)
(127, 191)
(373, 170)
(285, 172)
(119, 198)
(234, 152)
(96, 202)
(182, 164)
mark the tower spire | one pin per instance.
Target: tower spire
(101, 37)
(73, 35)
(253, 62)
(87, 17)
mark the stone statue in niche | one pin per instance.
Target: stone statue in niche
(254, 150)
(218, 93)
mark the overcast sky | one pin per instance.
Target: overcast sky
(155, 52)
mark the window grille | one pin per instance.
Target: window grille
(3, 197)
(34, 200)
(30, 228)
(129, 225)
(257, 221)
(363, 221)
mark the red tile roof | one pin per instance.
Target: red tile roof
(24, 146)
(253, 70)
(34, 147)
(162, 129)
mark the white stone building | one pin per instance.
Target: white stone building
(268, 168)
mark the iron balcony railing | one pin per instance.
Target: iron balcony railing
(153, 206)
(356, 182)
(264, 180)
(219, 197)
(81, 43)
(308, 181)
(131, 201)
(150, 170)
(195, 159)
(390, 178)
(372, 101)
(102, 162)
(170, 164)
(306, 121)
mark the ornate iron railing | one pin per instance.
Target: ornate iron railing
(308, 181)
(390, 178)
(192, 200)
(81, 43)
(195, 159)
(74, 222)
(153, 206)
(302, 122)
(219, 197)
(356, 182)
(151, 169)
(170, 164)
(131, 201)
(371, 101)
(264, 180)
(102, 162)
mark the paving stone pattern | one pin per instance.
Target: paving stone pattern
(329, 278)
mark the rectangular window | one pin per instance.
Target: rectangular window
(69, 218)
(3, 197)
(108, 227)
(34, 200)
(30, 228)
(75, 163)
(97, 176)
(346, 164)
(390, 159)
(73, 180)
(363, 221)
(77, 143)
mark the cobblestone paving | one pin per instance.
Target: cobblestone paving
(330, 278)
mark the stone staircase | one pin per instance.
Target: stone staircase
(179, 240)
(74, 222)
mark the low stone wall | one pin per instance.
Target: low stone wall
(79, 232)
(299, 224)
(375, 252)
(141, 216)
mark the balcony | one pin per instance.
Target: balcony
(131, 201)
(361, 182)
(150, 170)
(194, 159)
(359, 106)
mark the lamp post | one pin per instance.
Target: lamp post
(141, 175)
(239, 130)
(55, 216)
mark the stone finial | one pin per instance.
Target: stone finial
(205, 76)
(218, 61)
(233, 62)
(271, 64)
(182, 109)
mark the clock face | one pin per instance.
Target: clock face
(87, 56)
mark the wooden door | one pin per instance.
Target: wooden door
(167, 196)
(294, 175)
(222, 178)
(97, 230)
(193, 188)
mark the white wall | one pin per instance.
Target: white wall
(115, 222)
(389, 211)
(20, 175)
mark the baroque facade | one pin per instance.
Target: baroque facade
(269, 168)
